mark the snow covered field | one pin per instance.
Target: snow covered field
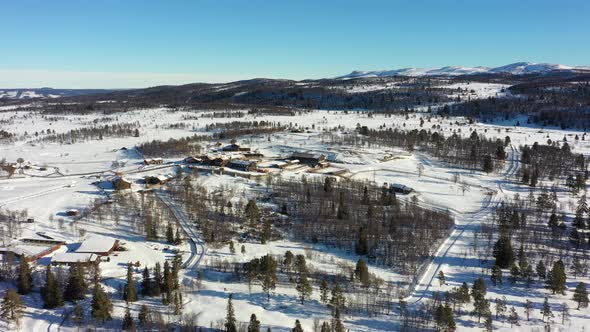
(72, 168)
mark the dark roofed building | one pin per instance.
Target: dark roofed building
(242, 165)
(310, 159)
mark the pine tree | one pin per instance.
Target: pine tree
(269, 274)
(230, 318)
(177, 238)
(158, 280)
(503, 252)
(565, 312)
(266, 234)
(169, 233)
(500, 307)
(557, 278)
(101, 304)
(337, 300)
(24, 283)
(546, 310)
(297, 327)
(76, 286)
(488, 164)
(324, 290)
(252, 212)
(581, 295)
(326, 327)
(254, 325)
(12, 307)
(514, 273)
(51, 292)
(128, 323)
(362, 247)
(361, 272)
(513, 317)
(496, 275)
(541, 271)
(143, 317)
(232, 248)
(146, 283)
(130, 293)
(488, 324)
(303, 287)
(78, 315)
(337, 325)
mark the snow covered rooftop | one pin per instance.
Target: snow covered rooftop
(97, 244)
(73, 257)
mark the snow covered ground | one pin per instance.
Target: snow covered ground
(71, 170)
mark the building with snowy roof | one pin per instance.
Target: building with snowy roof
(99, 245)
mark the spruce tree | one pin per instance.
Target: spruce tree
(303, 287)
(130, 293)
(51, 292)
(362, 246)
(230, 318)
(337, 325)
(581, 295)
(78, 315)
(496, 275)
(76, 286)
(324, 290)
(101, 304)
(297, 327)
(337, 301)
(269, 274)
(128, 323)
(158, 280)
(169, 233)
(361, 272)
(146, 283)
(254, 325)
(541, 270)
(24, 282)
(546, 310)
(143, 317)
(12, 307)
(503, 252)
(557, 278)
(513, 317)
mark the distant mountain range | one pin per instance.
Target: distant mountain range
(26, 93)
(518, 68)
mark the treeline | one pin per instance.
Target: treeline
(173, 147)
(563, 104)
(92, 133)
(350, 214)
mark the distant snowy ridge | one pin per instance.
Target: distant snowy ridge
(518, 68)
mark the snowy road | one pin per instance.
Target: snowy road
(196, 244)
(450, 251)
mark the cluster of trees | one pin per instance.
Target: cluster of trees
(231, 324)
(474, 152)
(92, 133)
(173, 147)
(547, 102)
(352, 214)
(552, 161)
(11, 224)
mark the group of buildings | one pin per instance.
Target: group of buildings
(36, 247)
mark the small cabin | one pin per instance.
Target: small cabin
(153, 161)
(234, 147)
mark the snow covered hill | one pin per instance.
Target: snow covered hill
(28, 93)
(518, 68)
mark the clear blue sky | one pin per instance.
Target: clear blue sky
(122, 43)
